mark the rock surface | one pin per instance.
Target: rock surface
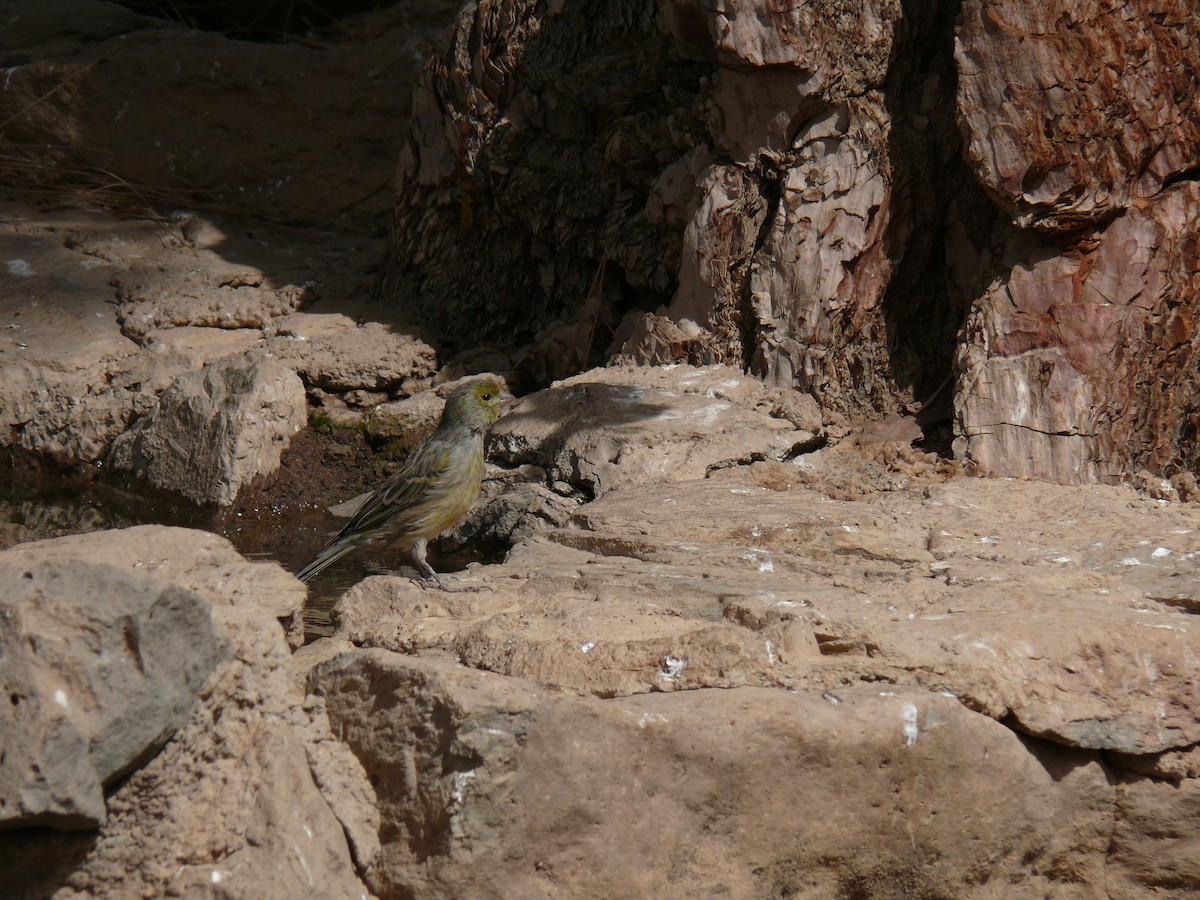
(1047, 626)
(767, 178)
(893, 608)
(102, 318)
(100, 668)
(1074, 365)
(1095, 110)
(1082, 121)
(742, 679)
(228, 807)
(490, 783)
(317, 125)
(216, 430)
(716, 657)
(595, 433)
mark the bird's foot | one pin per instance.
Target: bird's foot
(437, 581)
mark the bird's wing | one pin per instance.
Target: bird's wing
(403, 490)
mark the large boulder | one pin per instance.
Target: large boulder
(1077, 362)
(1038, 625)
(1052, 617)
(101, 667)
(143, 627)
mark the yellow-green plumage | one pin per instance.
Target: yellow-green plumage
(431, 492)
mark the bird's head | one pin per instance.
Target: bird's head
(476, 405)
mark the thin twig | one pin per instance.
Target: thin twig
(50, 92)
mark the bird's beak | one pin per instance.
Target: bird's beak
(507, 402)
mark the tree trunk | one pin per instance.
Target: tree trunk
(1082, 122)
(864, 200)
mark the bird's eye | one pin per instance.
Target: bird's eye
(486, 396)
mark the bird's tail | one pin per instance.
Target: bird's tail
(326, 557)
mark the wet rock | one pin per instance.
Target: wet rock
(488, 782)
(215, 430)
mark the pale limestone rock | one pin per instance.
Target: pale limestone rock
(70, 379)
(214, 294)
(334, 353)
(200, 344)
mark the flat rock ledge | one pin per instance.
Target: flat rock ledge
(923, 686)
(937, 687)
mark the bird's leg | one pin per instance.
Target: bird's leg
(429, 575)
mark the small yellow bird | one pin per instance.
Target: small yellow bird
(432, 491)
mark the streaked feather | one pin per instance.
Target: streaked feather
(432, 490)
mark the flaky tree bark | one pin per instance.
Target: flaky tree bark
(538, 141)
(722, 183)
(863, 199)
(1082, 121)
